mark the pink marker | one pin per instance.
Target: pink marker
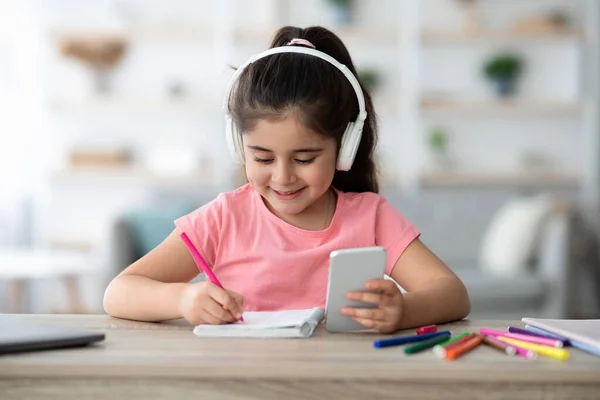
(200, 261)
(521, 351)
(525, 338)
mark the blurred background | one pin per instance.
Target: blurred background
(111, 127)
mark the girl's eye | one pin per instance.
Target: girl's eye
(310, 160)
(263, 160)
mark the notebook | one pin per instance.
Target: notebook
(263, 324)
(584, 331)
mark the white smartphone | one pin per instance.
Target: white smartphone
(349, 269)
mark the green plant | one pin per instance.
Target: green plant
(369, 77)
(341, 2)
(437, 139)
(503, 66)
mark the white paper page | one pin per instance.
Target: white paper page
(289, 323)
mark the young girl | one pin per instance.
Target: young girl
(294, 116)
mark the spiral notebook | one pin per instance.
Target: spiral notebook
(262, 324)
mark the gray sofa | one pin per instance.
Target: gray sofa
(452, 222)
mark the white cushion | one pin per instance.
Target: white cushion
(511, 237)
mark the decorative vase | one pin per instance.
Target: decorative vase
(442, 161)
(101, 80)
(505, 86)
(341, 14)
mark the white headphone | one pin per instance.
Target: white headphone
(353, 133)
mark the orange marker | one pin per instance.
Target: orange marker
(443, 350)
(457, 351)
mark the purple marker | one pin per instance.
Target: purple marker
(539, 334)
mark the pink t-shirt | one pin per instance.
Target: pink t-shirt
(277, 266)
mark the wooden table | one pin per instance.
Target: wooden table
(166, 361)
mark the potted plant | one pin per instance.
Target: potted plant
(438, 145)
(341, 11)
(369, 77)
(503, 70)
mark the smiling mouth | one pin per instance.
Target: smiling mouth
(287, 194)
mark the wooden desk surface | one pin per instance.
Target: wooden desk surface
(145, 360)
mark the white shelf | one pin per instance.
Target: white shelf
(439, 106)
(374, 35)
(263, 35)
(381, 36)
(129, 175)
(432, 36)
(391, 35)
(136, 105)
(168, 33)
(445, 179)
(385, 104)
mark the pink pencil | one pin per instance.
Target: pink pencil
(200, 261)
(525, 338)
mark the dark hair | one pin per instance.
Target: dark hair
(314, 89)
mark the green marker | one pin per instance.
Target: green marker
(439, 348)
(425, 344)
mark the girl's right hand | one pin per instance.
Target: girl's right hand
(206, 303)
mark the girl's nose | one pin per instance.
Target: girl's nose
(284, 174)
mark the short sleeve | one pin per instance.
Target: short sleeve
(393, 232)
(203, 227)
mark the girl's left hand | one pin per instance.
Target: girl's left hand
(386, 317)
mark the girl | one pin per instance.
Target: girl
(293, 117)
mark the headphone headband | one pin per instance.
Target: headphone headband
(353, 133)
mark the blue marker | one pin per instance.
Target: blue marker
(577, 344)
(542, 332)
(407, 339)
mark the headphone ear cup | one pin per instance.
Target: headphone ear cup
(345, 155)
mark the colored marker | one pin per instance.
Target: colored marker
(427, 329)
(201, 263)
(426, 344)
(524, 338)
(521, 351)
(575, 343)
(442, 351)
(525, 353)
(451, 340)
(538, 331)
(498, 345)
(407, 339)
(463, 348)
(547, 351)
(514, 329)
